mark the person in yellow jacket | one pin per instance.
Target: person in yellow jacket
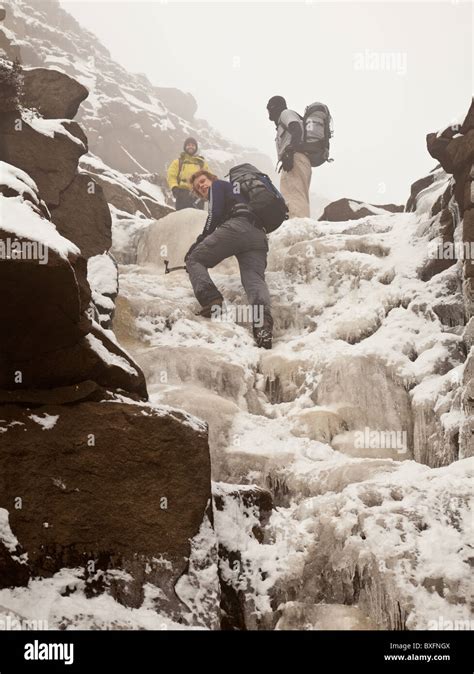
(181, 170)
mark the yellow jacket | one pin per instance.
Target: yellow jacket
(181, 170)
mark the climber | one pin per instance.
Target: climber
(295, 166)
(229, 230)
(179, 173)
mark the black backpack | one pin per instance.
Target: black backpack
(317, 131)
(263, 198)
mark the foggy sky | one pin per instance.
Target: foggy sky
(389, 72)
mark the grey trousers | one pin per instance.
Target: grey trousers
(241, 238)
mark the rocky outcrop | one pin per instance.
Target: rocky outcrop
(351, 209)
(48, 152)
(125, 512)
(52, 93)
(92, 476)
(88, 226)
(131, 124)
(454, 149)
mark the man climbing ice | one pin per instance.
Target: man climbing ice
(230, 229)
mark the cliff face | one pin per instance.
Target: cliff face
(131, 124)
(92, 475)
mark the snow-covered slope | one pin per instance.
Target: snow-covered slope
(362, 388)
(132, 125)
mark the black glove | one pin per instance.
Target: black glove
(175, 191)
(198, 240)
(287, 161)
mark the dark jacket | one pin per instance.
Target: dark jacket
(223, 205)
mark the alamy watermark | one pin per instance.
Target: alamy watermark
(14, 249)
(381, 61)
(458, 624)
(451, 250)
(9, 623)
(376, 439)
(238, 313)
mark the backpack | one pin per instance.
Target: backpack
(317, 130)
(263, 198)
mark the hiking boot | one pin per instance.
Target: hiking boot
(208, 310)
(263, 338)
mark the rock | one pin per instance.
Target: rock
(95, 357)
(83, 216)
(86, 390)
(468, 123)
(50, 161)
(122, 192)
(183, 103)
(106, 487)
(350, 209)
(43, 304)
(416, 188)
(241, 515)
(460, 152)
(53, 93)
(437, 144)
(51, 341)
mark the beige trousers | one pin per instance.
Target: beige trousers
(294, 186)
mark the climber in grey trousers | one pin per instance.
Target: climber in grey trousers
(230, 230)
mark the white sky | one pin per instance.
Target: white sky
(232, 56)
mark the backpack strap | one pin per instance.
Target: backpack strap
(180, 168)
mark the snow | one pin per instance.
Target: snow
(18, 218)
(153, 190)
(45, 601)
(357, 348)
(50, 127)
(47, 422)
(18, 180)
(102, 274)
(111, 359)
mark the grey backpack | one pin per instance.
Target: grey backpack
(317, 130)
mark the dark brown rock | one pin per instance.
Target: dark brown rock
(469, 119)
(94, 357)
(83, 216)
(53, 93)
(460, 152)
(50, 161)
(108, 486)
(86, 390)
(43, 305)
(416, 188)
(340, 210)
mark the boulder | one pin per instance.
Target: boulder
(83, 216)
(43, 304)
(416, 188)
(351, 209)
(469, 119)
(49, 155)
(52, 93)
(106, 487)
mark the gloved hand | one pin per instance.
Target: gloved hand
(175, 191)
(198, 240)
(287, 161)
